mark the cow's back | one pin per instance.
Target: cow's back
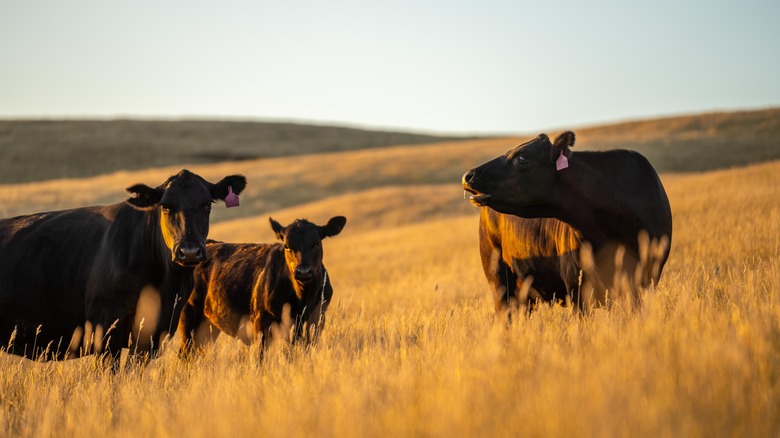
(45, 259)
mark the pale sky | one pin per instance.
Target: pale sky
(481, 66)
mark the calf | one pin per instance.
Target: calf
(604, 213)
(70, 281)
(262, 281)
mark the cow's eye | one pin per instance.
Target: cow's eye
(521, 159)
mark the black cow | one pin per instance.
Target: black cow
(71, 281)
(249, 287)
(593, 226)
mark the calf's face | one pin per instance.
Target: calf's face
(520, 182)
(302, 242)
(183, 203)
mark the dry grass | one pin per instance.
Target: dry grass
(411, 348)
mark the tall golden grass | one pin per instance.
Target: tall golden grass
(411, 347)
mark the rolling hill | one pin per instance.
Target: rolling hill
(690, 143)
(35, 150)
(38, 150)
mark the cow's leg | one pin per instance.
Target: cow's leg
(110, 336)
(262, 331)
(497, 275)
(571, 277)
(189, 322)
(315, 323)
(504, 284)
(592, 291)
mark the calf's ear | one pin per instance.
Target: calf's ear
(277, 227)
(145, 196)
(333, 227)
(235, 182)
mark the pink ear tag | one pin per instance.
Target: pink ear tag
(562, 162)
(231, 200)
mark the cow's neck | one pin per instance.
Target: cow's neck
(174, 282)
(148, 251)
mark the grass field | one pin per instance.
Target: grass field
(411, 347)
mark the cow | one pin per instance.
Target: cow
(71, 281)
(249, 290)
(588, 227)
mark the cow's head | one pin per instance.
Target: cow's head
(183, 203)
(302, 242)
(522, 181)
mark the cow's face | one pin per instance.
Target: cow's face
(183, 204)
(302, 242)
(520, 182)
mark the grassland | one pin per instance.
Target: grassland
(412, 348)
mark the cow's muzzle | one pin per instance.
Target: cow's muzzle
(478, 198)
(189, 254)
(304, 274)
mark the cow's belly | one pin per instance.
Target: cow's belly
(227, 318)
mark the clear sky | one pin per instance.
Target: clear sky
(444, 66)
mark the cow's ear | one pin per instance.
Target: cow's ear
(333, 227)
(277, 227)
(145, 196)
(562, 143)
(235, 182)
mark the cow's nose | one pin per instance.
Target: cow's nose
(190, 255)
(467, 177)
(304, 273)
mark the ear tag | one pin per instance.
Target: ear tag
(231, 200)
(562, 162)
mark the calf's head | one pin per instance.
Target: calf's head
(302, 241)
(183, 204)
(522, 181)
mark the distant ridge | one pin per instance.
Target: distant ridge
(693, 143)
(51, 149)
(36, 150)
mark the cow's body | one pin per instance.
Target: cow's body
(603, 213)
(245, 290)
(70, 281)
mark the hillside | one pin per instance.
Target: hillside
(695, 142)
(35, 150)
(274, 183)
(284, 182)
(45, 150)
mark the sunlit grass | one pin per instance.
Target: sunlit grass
(412, 347)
